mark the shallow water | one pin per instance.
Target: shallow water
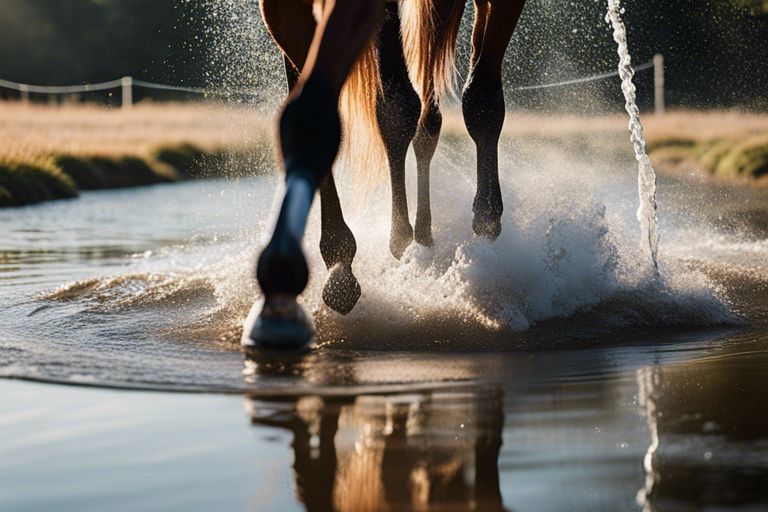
(546, 371)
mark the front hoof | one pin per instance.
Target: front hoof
(281, 325)
(342, 291)
(399, 240)
(423, 236)
(488, 227)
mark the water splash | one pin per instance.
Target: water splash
(646, 178)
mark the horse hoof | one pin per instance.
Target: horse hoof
(399, 241)
(487, 227)
(424, 237)
(342, 291)
(280, 325)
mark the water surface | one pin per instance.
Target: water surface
(547, 371)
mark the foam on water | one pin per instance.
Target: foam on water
(567, 251)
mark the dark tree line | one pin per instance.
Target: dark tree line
(716, 49)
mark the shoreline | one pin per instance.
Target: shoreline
(56, 152)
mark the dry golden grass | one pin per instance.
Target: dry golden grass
(43, 148)
(52, 151)
(84, 129)
(725, 144)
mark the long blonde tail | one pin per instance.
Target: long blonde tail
(428, 29)
(363, 156)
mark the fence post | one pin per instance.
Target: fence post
(24, 91)
(127, 83)
(658, 80)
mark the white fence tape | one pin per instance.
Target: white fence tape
(26, 89)
(593, 78)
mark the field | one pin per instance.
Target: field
(51, 152)
(54, 152)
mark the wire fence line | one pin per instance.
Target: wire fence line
(115, 84)
(128, 83)
(592, 78)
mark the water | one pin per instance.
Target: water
(646, 177)
(548, 370)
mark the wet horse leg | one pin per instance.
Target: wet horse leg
(397, 111)
(424, 146)
(337, 243)
(483, 105)
(310, 134)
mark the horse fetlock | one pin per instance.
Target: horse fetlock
(422, 232)
(487, 216)
(341, 291)
(337, 246)
(400, 238)
(282, 268)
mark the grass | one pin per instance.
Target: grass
(53, 152)
(727, 145)
(50, 152)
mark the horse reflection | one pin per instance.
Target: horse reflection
(426, 451)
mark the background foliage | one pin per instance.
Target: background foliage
(716, 49)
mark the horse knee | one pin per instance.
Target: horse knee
(483, 108)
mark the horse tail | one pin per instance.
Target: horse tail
(429, 29)
(429, 32)
(363, 155)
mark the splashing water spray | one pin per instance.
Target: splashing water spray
(646, 178)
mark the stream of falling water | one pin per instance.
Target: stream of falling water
(646, 178)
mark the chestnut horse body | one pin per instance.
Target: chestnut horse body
(392, 61)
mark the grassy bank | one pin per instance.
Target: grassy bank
(50, 152)
(723, 145)
(55, 152)
(727, 145)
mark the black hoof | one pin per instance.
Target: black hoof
(342, 291)
(399, 240)
(423, 237)
(280, 325)
(486, 227)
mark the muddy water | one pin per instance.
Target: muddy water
(547, 371)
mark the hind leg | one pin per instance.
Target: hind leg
(424, 145)
(484, 108)
(310, 134)
(397, 112)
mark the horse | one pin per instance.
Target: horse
(394, 62)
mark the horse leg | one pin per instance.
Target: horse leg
(338, 248)
(424, 145)
(397, 111)
(337, 242)
(483, 105)
(310, 134)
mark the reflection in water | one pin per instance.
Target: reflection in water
(435, 450)
(709, 441)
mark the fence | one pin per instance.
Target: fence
(127, 85)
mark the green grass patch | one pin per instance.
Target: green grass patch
(32, 180)
(103, 172)
(748, 158)
(725, 158)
